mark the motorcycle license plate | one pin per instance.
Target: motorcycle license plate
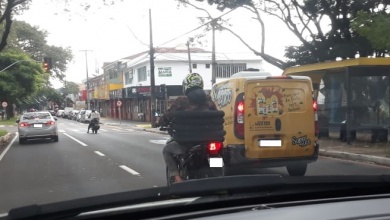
(216, 162)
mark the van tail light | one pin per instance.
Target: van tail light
(239, 117)
(214, 148)
(316, 128)
(50, 123)
(24, 124)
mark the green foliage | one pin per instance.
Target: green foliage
(3, 132)
(21, 79)
(32, 40)
(324, 28)
(375, 27)
(71, 88)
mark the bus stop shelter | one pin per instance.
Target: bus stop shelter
(353, 96)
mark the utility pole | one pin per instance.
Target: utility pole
(66, 94)
(152, 83)
(213, 62)
(189, 55)
(86, 66)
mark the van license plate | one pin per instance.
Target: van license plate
(270, 143)
(216, 162)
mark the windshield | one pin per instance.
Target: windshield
(145, 94)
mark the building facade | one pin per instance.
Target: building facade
(127, 81)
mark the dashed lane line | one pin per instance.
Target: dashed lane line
(82, 144)
(128, 169)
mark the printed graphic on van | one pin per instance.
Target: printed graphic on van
(274, 101)
(223, 95)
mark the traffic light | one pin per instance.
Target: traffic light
(47, 64)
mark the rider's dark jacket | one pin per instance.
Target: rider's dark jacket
(195, 100)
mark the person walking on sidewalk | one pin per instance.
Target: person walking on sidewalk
(93, 116)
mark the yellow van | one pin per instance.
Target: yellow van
(270, 121)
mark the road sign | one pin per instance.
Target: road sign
(118, 103)
(4, 104)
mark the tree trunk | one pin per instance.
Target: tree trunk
(9, 111)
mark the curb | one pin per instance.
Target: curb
(356, 157)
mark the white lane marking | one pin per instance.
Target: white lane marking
(99, 153)
(158, 141)
(62, 131)
(76, 140)
(9, 146)
(131, 130)
(115, 129)
(76, 130)
(102, 129)
(2, 126)
(129, 170)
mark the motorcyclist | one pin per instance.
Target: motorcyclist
(94, 115)
(194, 99)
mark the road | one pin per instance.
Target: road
(116, 159)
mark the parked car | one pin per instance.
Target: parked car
(80, 114)
(84, 117)
(67, 110)
(73, 114)
(60, 113)
(37, 125)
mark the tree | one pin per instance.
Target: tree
(32, 40)
(375, 27)
(23, 77)
(71, 88)
(308, 21)
(7, 8)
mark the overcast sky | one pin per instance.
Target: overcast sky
(123, 29)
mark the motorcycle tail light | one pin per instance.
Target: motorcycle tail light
(214, 147)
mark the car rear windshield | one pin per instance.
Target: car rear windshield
(33, 116)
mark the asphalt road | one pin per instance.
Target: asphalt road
(116, 159)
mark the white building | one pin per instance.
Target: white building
(172, 64)
(128, 80)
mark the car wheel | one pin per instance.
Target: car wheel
(22, 140)
(55, 138)
(297, 169)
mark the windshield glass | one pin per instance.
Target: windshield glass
(145, 94)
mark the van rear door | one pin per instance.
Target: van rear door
(279, 117)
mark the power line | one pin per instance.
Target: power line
(197, 27)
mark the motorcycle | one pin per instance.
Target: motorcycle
(204, 141)
(95, 125)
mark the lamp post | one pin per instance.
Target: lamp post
(16, 63)
(152, 82)
(86, 66)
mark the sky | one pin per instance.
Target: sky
(112, 32)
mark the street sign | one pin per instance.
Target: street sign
(119, 103)
(4, 104)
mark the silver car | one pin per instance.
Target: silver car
(37, 125)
